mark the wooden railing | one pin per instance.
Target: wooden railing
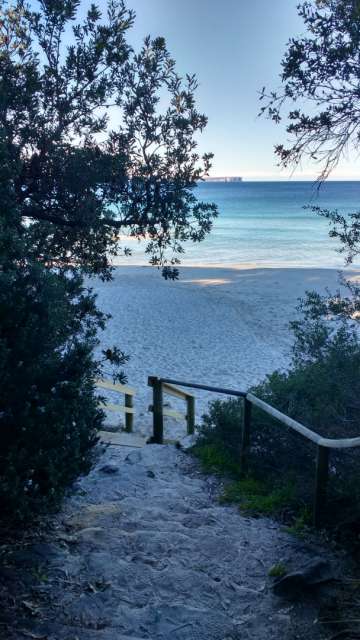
(323, 445)
(127, 407)
(159, 411)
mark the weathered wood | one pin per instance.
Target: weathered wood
(108, 406)
(293, 424)
(170, 413)
(158, 415)
(204, 387)
(174, 391)
(129, 413)
(324, 445)
(339, 443)
(321, 479)
(120, 388)
(190, 415)
(330, 443)
(245, 435)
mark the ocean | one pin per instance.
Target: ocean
(264, 224)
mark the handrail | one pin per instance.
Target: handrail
(331, 443)
(113, 386)
(193, 385)
(323, 444)
(159, 388)
(177, 393)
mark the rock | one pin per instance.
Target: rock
(133, 458)
(109, 468)
(312, 574)
(150, 474)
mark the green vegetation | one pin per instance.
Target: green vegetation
(320, 390)
(302, 523)
(216, 458)
(318, 98)
(319, 102)
(277, 570)
(256, 497)
(71, 184)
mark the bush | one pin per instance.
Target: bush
(48, 411)
(321, 390)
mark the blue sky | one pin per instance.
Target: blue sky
(235, 48)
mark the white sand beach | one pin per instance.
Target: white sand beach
(216, 326)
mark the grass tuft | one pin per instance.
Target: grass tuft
(215, 458)
(277, 570)
(256, 498)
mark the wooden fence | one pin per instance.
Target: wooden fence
(127, 407)
(323, 445)
(159, 410)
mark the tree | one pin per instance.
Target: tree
(88, 151)
(320, 80)
(94, 152)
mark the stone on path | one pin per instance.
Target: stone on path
(109, 468)
(314, 573)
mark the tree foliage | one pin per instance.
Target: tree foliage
(320, 97)
(320, 76)
(49, 414)
(320, 102)
(96, 141)
(102, 140)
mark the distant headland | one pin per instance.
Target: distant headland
(224, 179)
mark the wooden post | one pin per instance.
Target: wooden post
(158, 416)
(129, 417)
(321, 478)
(245, 435)
(190, 415)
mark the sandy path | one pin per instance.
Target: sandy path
(145, 551)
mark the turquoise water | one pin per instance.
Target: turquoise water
(265, 224)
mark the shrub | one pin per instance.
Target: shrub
(70, 186)
(321, 390)
(48, 411)
(221, 428)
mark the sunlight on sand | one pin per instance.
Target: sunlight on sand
(208, 282)
(355, 278)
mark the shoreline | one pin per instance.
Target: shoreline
(241, 266)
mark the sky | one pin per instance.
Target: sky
(235, 48)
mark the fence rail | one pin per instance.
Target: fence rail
(323, 445)
(127, 407)
(161, 387)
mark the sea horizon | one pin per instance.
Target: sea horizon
(265, 224)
